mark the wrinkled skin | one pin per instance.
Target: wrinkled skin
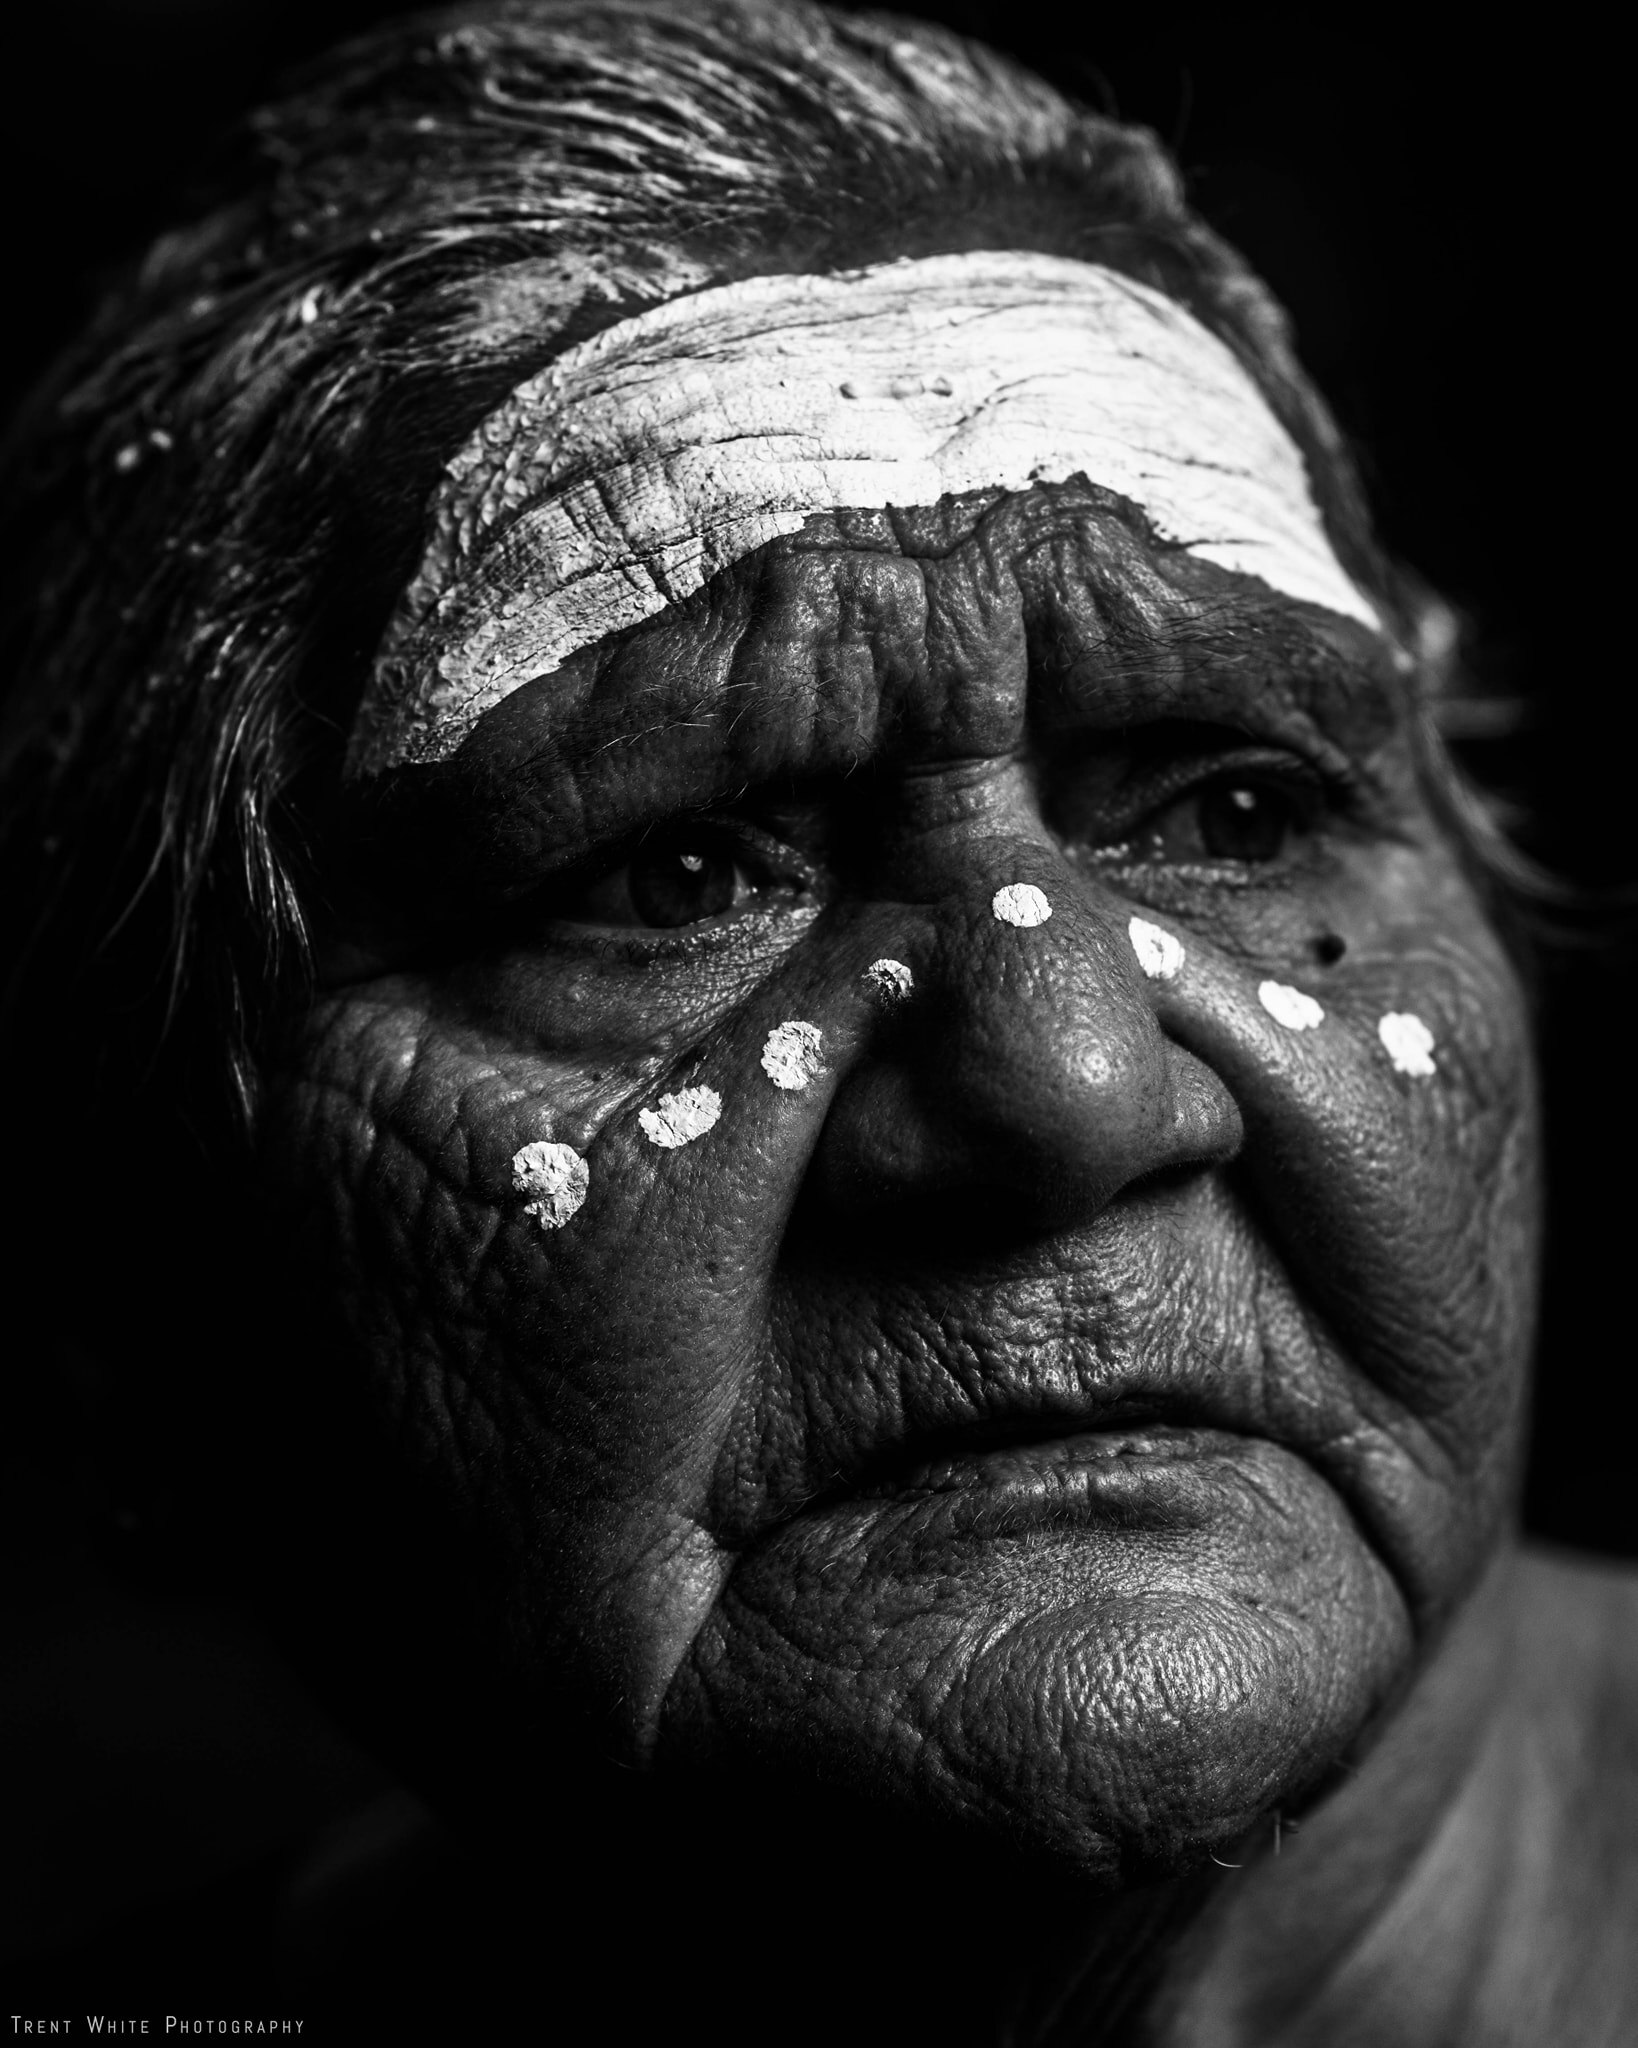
(1077, 1410)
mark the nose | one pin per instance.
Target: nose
(1028, 1082)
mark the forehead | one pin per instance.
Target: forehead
(640, 465)
(1032, 623)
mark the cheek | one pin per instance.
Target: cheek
(552, 1271)
(1392, 1158)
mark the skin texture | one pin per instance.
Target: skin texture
(1073, 1414)
(1009, 1541)
(662, 451)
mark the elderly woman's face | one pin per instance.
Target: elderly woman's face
(925, 1140)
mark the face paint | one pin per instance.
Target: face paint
(1020, 903)
(681, 1118)
(1408, 1043)
(555, 1177)
(1290, 1007)
(646, 459)
(793, 1054)
(1159, 954)
(890, 979)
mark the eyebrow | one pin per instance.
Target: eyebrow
(646, 460)
(808, 662)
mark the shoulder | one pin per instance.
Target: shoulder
(1577, 1676)
(1578, 1623)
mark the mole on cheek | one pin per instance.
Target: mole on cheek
(555, 1177)
(1159, 954)
(1408, 1043)
(1022, 904)
(681, 1118)
(793, 1054)
(1290, 1007)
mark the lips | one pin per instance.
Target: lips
(1044, 1455)
(1044, 1464)
(1163, 1442)
(1163, 1341)
(1117, 1475)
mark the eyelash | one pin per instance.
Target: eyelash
(769, 860)
(1310, 792)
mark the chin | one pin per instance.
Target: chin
(1116, 1650)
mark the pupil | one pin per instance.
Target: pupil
(682, 883)
(1243, 824)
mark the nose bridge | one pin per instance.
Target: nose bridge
(1029, 1077)
(1046, 1053)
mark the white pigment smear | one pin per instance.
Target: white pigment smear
(1290, 1007)
(1408, 1043)
(1159, 954)
(681, 1118)
(626, 474)
(890, 979)
(555, 1178)
(793, 1054)
(1022, 904)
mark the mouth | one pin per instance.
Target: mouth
(1002, 1475)
(1130, 1470)
(998, 1450)
(1013, 1461)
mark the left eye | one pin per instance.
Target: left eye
(1240, 820)
(675, 879)
(684, 882)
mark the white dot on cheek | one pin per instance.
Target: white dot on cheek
(1408, 1043)
(1290, 1007)
(890, 979)
(1159, 954)
(1022, 904)
(793, 1054)
(555, 1177)
(681, 1118)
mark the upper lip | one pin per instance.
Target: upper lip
(880, 1456)
(911, 1460)
(912, 1447)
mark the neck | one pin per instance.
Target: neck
(1463, 1867)
(975, 1950)
(1456, 1881)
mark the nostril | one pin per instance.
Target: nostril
(1329, 948)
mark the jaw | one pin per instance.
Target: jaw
(1115, 1650)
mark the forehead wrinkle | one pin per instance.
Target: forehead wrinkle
(812, 657)
(1112, 635)
(765, 675)
(647, 460)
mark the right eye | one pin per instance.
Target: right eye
(688, 876)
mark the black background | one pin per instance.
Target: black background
(1443, 213)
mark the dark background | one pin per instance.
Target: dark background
(1444, 216)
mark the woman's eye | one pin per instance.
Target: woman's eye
(1240, 821)
(673, 879)
(683, 882)
(1243, 821)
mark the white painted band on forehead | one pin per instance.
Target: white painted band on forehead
(643, 461)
